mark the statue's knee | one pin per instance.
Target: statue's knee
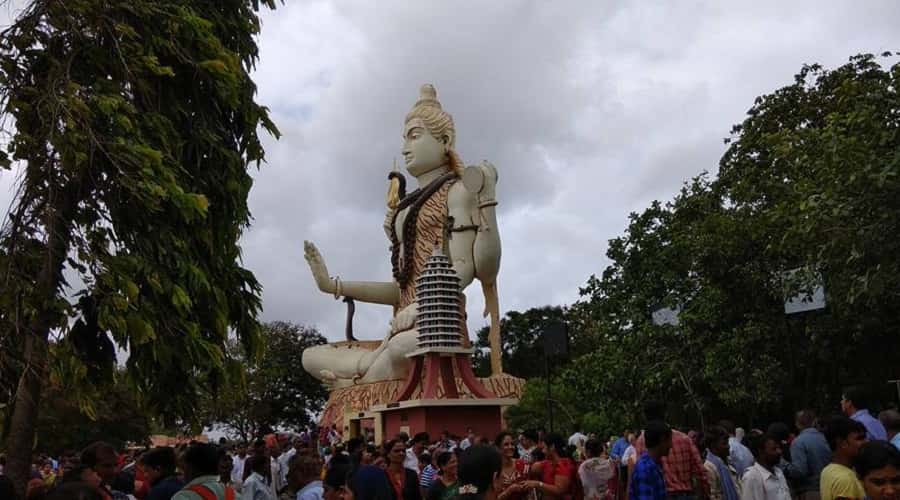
(309, 359)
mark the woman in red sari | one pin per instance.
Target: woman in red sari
(557, 472)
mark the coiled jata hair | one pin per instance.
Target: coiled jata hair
(439, 124)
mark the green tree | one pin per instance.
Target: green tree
(134, 122)
(118, 418)
(586, 395)
(817, 163)
(533, 410)
(809, 181)
(521, 341)
(277, 392)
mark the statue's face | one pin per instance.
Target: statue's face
(422, 152)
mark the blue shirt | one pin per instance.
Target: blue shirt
(739, 456)
(874, 430)
(896, 440)
(810, 454)
(647, 481)
(312, 491)
(618, 448)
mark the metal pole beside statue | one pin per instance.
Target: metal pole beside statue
(897, 384)
(556, 345)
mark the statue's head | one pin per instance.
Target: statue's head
(429, 136)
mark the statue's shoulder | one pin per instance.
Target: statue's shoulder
(459, 195)
(475, 179)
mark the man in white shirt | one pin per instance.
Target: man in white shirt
(256, 487)
(446, 443)
(629, 457)
(239, 458)
(764, 480)
(285, 459)
(527, 445)
(419, 442)
(277, 475)
(739, 456)
(469, 440)
(578, 439)
(334, 436)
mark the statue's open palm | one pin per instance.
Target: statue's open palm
(318, 267)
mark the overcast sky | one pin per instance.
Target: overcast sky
(590, 110)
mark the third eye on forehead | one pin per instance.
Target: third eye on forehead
(414, 124)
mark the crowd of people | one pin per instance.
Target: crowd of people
(852, 455)
(842, 457)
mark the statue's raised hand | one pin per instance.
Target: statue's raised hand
(318, 268)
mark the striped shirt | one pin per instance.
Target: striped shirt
(429, 474)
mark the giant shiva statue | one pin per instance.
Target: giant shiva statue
(453, 207)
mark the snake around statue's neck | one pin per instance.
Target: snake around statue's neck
(414, 201)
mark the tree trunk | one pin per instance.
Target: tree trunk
(25, 412)
(23, 422)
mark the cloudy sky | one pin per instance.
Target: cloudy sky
(589, 110)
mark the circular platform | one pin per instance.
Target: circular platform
(360, 398)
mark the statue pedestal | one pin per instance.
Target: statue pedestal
(437, 415)
(353, 408)
(440, 367)
(440, 391)
(439, 375)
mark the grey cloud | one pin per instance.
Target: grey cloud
(589, 110)
(589, 114)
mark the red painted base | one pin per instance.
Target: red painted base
(431, 369)
(486, 420)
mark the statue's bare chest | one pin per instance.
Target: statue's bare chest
(456, 209)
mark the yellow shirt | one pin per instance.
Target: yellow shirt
(839, 481)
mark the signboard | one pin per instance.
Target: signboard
(665, 315)
(812, 298)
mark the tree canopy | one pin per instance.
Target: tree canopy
(133, 123)
(277, 392)
(520, 334)
(116, 418)
(810, 181)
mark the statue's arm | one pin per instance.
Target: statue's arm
(375, 292)
(487, 252)
(364, 291)
(487, 240)
(487, 247)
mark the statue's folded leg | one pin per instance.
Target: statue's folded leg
(338, 365)
(391, 363)
(342, 365)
